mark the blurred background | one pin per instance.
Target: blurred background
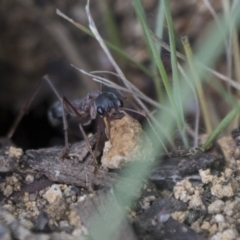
(35, 41)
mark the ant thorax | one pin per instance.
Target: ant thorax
(108, 104)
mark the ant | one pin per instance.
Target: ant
(105, 104)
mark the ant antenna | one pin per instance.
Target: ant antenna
(23, 111)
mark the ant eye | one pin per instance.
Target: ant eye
(119, 103)
(100, 111)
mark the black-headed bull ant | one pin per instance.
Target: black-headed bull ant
(105, 104)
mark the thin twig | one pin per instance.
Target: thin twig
(114, 85)
(94, 30)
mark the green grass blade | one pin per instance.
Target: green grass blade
(207, 48)
(160, 23)
(176, 91)
(141, 16)
(221, 126)
(160, 18)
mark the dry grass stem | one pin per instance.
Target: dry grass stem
(197, 80)
(226, 79)
(197, 116)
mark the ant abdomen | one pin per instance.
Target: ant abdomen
(55, 114)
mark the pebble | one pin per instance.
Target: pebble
(8, 190)
(29, 179)
(32, 196)
(229, 234)
(196, 201)
(216, 207)
(222, 191)
(206, 226)
(219, 218)
(53, 194)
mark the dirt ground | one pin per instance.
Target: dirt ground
(46, 196)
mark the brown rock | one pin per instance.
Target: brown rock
(128, 142)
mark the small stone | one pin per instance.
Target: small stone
(8, 190)
(223, 226)
(216, 207)
(17, 187)
(57, 210)
(63, 224)
(196, 226)
(213, 229)
(32, 196)
(205, 175)
(187, 185)
(128, 143)
(221, 190)
(229, 234)
(181, 194)
(196, 201)
(183, 190)
(147, 201)
(228, 146)
(15, 152)
(180, 216)
(14, 179)
(228, 172)
(70, 191)
(219, 218)
(163, 216)
(29, 179)
(25, 198)
(205, 226)
(74, 219)
(53, 194)
(9, 207)
(74, 198)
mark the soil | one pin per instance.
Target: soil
(46, 196)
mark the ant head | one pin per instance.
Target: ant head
(108, 104)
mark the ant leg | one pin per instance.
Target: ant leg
(65, 129)
(66, 102)
(87, 142)
(97, 141)
(47, 79)
(23, 111)
(65, 124)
